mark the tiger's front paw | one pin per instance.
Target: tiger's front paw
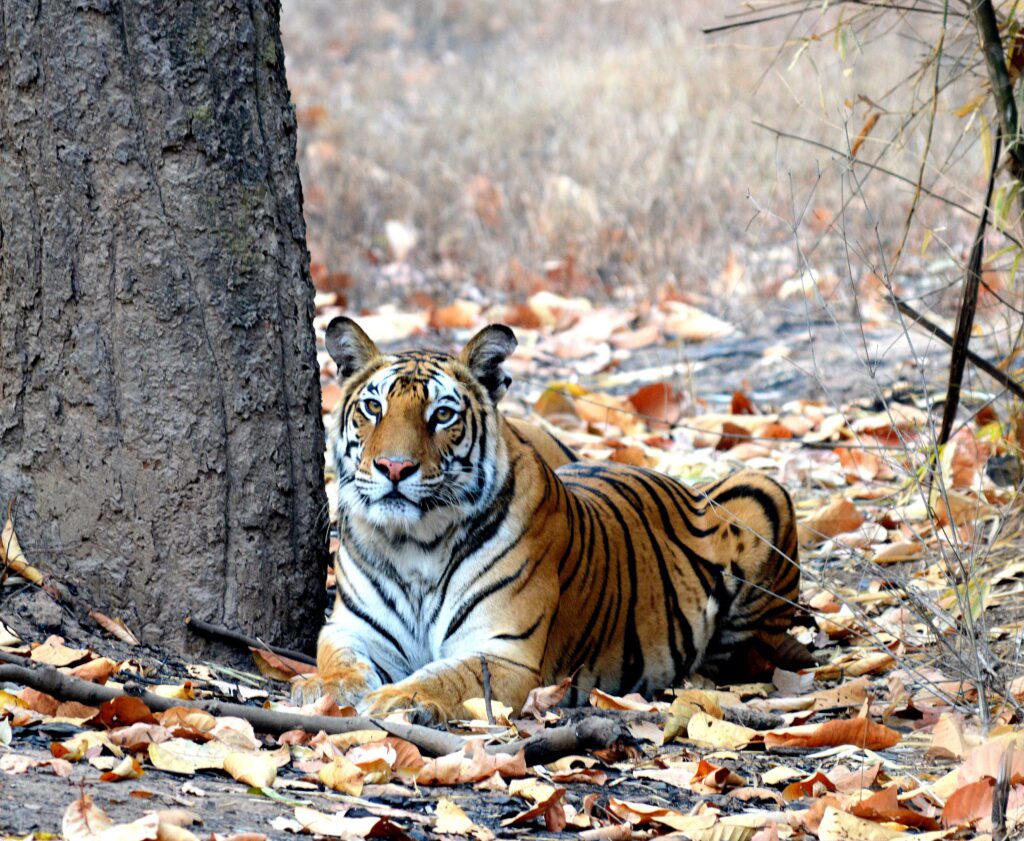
(347, 685)
(423, 708)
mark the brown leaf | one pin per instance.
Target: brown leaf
(837, 517)
(470, 766)
(741, 405)
(657, 402)
(543, 698)
(859, 732)
(550, 808)
(458, 315)
(115, 627)
(864, 133)
(885, 806)
(53, 652)
(277, 666)
(124, 710)
(98, 670)
(969, 803)
(812, 786)
(731, 435)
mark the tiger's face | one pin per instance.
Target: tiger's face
(418, 443)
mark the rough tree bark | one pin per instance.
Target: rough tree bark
(159, 393)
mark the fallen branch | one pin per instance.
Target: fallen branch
(218, 632)
(597, 732)
(980, 362)
(66, 687)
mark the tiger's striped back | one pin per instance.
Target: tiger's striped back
(663, 580)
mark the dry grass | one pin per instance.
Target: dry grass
(511, 134)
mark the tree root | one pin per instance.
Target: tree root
(218, 632)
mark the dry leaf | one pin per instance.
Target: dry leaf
(128, 768)
(458, 315)
(470, 766)
(970, 803)
(337, 826)
(53, 652)
(633, 701)
(181, 756)
(342, 775)
(124, 710)
(543, 698)
(837, 517)
(712, 732)
(948, 738)
(12, 557)
(841, 826)
(657, 402)
(277, 666)
(85, 821)
(451, 820)
(115, 627)
(859, 732)
(255, 769)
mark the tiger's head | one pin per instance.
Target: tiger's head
(418, 442)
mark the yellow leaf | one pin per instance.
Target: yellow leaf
(256, 769)
(180, 756)
(11, 554)
(712, 732)
(478, 710)
(335, 826)
(342, 775)
(840, 826)
(451, 820)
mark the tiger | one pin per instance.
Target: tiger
(473, 547)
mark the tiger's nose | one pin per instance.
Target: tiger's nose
(395, 469)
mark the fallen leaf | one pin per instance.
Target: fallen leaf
(477, 708)
(837, 517)
(970, 803)
(337, 826)
(98, 670)
(633, 701)
(470, 766)
(451, 820)
(115, 627)
(180, 756)
(690, 324)
(85, 821)
(12, 557)
(712, 732)
(53, 652)
(885, 806)
(841, 826)
(460, 314)
(124, 710)
(277, 666)
(812, 786)
(859, 732)
(255, 769)
(342, 775)
(543, 698)
(128, 768)
(657, 402)
(948, 738)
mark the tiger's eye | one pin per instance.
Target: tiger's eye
(372, 408)
(443, 415)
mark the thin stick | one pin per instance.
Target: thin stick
(968, 306)
(980, 362)
(485, 679)
(218, 632)
(53, 682)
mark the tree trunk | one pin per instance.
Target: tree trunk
(159, 391)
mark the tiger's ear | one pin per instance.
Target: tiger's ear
(484, 355)
(349, 346)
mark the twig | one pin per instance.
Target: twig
(211, 631)
(485, 679)
(968, 306)
(982, 364)
(53, 682)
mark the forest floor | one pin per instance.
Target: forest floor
(913, 604)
